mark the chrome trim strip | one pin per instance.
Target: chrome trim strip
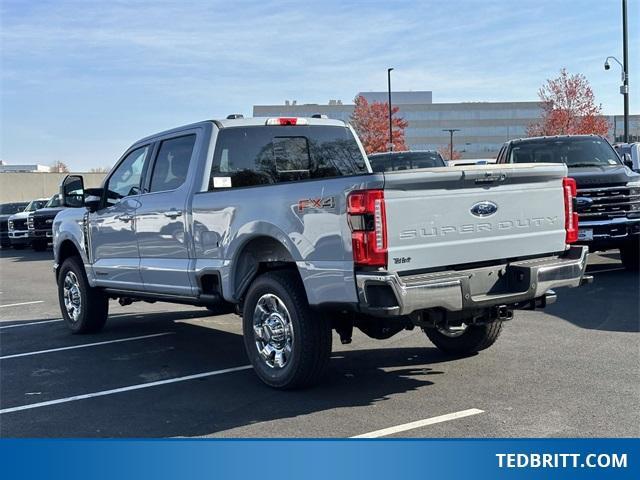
(614, 222)
(600, 189)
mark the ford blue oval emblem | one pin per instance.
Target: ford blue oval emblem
(484, 209)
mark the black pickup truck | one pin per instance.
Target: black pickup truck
(608, 201)
(40, 223)
(6, 210)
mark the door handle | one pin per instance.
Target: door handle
(125, 217)
(173, 213)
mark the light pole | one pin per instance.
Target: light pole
(390, 119)
(624, 88)
(451, 132)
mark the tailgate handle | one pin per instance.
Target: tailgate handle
(490, 177)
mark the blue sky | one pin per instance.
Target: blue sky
(81, 80)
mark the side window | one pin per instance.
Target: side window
(172, 163)
(125, 180)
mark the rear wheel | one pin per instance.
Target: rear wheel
(288, 343)
(84, 308)
(630, 255)
(466, 339)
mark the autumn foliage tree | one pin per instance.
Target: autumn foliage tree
(445, 151)
(568, 108)
(371, 122)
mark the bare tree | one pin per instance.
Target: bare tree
(59, 167)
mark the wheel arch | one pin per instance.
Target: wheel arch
(67, 248)
(258, 254)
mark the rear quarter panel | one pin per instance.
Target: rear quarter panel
(316, 235)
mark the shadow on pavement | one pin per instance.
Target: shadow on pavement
(25, 255)
(209, 405)
(611, 302)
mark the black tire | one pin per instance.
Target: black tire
(19, 246)
(39, 245)
(472, 340)
(94, 304)
(311, 339)
(630, 255)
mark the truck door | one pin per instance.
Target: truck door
(113, 244)
(162, 226)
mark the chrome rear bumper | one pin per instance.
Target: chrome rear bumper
(505, 284)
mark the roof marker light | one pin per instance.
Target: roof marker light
(287, 121)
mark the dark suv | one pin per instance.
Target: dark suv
(608, 202)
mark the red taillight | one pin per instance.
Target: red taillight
(368, 222)
(570, 217)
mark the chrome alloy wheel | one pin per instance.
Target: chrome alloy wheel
(453, 331)
(273, 331)
(72, 297)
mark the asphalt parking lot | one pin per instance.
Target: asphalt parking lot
(166, 370)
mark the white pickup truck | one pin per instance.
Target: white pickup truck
(283, 221)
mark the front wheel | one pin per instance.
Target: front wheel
(289, 344)
(84, 308)
(465, 339)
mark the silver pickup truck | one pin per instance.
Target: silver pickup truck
(282, 221)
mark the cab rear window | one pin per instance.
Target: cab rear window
(263, 155)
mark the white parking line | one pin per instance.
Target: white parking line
(31, 323)
(23, 303)
(125, 389)
(420, 423)
(85, 345)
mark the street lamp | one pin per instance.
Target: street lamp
(390, 119)
(624, 66)
(451, 132)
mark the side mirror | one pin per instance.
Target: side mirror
(72, 191)
(626, 159)
(93, 199)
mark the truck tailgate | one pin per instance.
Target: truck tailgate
(456, 215)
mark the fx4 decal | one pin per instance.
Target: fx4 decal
(316, 203)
